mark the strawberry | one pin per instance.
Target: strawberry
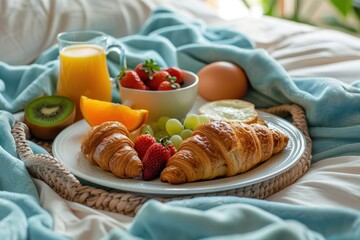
(142, 143)
(147, 69)
(158, 78)
(130, 79)
(171, 149)
(168, 145)
(154, 161)
(176, 72)
(167, 85)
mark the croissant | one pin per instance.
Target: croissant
(222, 149)
(108, 145)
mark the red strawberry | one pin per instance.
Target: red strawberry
(166, 85)
(147, 69)
(158, 78)
(142, 143)
(140, 85)
(130, 79)
(168, 145)
(176, 72)
(171, 149)
(154, 161)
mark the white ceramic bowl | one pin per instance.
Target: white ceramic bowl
(173, 103)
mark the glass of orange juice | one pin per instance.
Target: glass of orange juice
(83, 69)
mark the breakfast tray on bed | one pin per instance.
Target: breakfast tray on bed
(48, 169)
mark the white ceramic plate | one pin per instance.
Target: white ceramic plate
(66, 148)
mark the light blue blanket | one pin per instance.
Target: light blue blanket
(333, 114)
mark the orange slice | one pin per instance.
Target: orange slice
(96, 112)
(230, 110)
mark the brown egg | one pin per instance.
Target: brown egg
(222, 80)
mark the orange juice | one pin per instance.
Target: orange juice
(83, 71)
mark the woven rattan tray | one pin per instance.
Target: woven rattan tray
(60, 179)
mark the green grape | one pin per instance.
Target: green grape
(162, 122)
(146, 129)
(176, 140)
(186, 133)
(155, 126)
(161, 134)
(203, 119)
(174, 126)
(191, 121)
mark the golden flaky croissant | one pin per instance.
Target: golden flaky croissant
(222, 149)
(108, 145)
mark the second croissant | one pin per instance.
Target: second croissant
(222, 149)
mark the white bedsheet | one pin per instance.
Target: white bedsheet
(329, 183)
(301, 49)
(76, 220)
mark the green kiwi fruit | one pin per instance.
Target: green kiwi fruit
(47, 116)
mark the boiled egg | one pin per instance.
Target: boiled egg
(222, 80)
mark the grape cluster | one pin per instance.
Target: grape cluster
(173, 129)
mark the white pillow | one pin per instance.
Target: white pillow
(29, 27)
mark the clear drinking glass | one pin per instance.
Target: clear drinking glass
(83, 69)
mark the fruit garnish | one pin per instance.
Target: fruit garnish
(161, 122)
(176, 72)
(130, 79)
(142, 143)
(96, 112)
(147, 69)
(167, 85)
(47, 116)
(203, 119)
(161, 134)
(146, 129)
(158, 78)
(192, 121)
(171, 148)
(174, 126)
(186, 133)
(154, 161)
(176, 140)
(173, 129)
(149, 76)
(230, 110)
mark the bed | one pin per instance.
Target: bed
(295, 64)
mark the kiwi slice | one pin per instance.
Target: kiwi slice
(47, 116)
